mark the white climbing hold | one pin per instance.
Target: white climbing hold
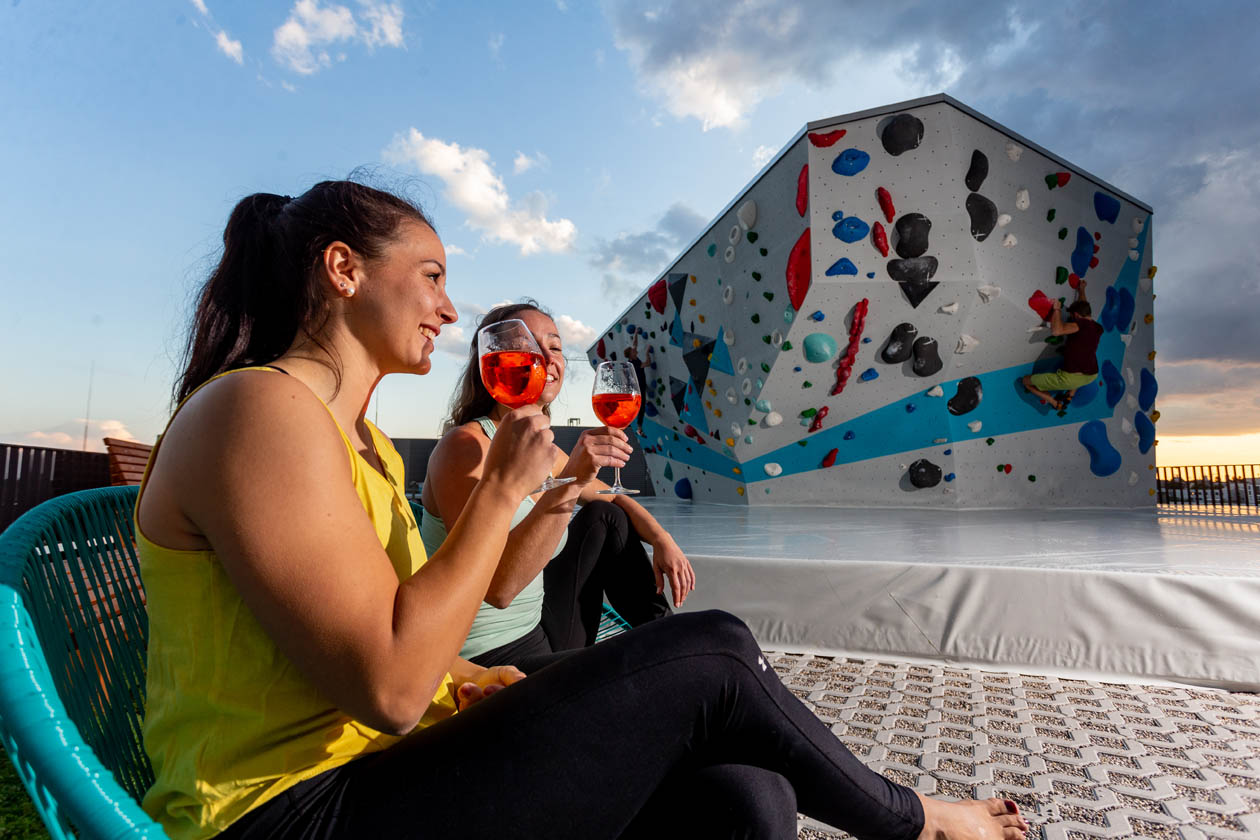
(937, 391)
(776, 338)
(966, 343)
(731, 396)
(988, 293)
(733, 236)
(1133, 255)
(772, 469)
(974, 425)
(1138, 224)
(746, 387)
(736, 430)
(1125, 426)
(1009, 240)
(940, 440)
(1133, 478)
(1022, 201)
(1004, 220)
(1042, 326)
(729, 254)
(728, 338)
(747, 214)
(1128, 375)
(1145, 283)
(1133, 242)
(949, 308)
(1126, 337)
(773, 419)
(1131, 401)
(728, 295)
(1013, 151)
(742, 365)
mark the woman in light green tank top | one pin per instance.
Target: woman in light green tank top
(547, 595)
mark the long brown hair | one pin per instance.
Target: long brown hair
(471, 399)
(266, 289)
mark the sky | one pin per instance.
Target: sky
(569, 151)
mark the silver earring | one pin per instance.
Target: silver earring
(350, 292)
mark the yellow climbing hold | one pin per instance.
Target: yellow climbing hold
(737, 470)
(739, 490)
(692, 301)
(1150, 272)
(730, 441)
(1151, 492)
(1150, 319)
(695, 342)
(709, 382)
(708, 405)
(718, 412)
(702, 319)
(1151, 355)
(693, 278)
(1155, 416)
(713, 392)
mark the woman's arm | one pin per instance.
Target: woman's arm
(261, 472)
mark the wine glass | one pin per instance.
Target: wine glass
(513, 371)
(616, 401)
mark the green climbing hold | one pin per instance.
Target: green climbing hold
(752, 236)
(1001, 467)
(765, 368)
(768, 295)
(763, 253)
(809, 412)
(1054, 339)
(1050, 215)
(787, 345)
(756, 319)
(669, 472)
(807, 384)
(1032, 478)
(989, 441)
(1052, 181)
(766, 339)
(712, 249)
(756, 275)
(652, 334)
(802, 443)
(1063, 233)
(1060, 275)
(751, 422)
(747, 401)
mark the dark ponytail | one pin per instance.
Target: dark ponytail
(266, 289)
(471, 399)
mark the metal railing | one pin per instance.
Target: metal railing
(1215, 488)
(32, 474)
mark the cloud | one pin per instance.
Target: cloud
(1208, 398)
(453, 250)
(629, 260)
(303, 41)
(453, 339)
(201, 6)
(523, 162)
(69, 435)
(573, 333)
(496, 43)
(762, 155)
(232, 49)
(473, 186)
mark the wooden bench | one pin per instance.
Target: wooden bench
(127, 460)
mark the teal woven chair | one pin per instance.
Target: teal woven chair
(72, 658)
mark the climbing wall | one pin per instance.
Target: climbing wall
(854, 327)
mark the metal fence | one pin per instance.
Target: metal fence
(1218, 488)
(32, 474)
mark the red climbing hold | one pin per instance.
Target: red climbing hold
(830, 458)
(816, 423)
(1007, 468)
(1041, 305)
(656, 296)
(599, 348)
(886, 204)
(802, 190)
(845, 367)
(1074, 281)
(1095, 249)
(880, 237)
(826, 141)
(1097, 236)
(1062, 178)
(1093, 262)
(798, 271)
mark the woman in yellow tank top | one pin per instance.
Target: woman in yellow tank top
(303, 678)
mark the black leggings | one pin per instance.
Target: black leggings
(679, 728)
(602, 556)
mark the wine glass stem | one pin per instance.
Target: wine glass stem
(617, 477)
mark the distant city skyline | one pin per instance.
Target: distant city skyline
(568, 152)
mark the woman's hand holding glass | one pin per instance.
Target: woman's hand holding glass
(596, 449)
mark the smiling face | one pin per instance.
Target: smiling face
(402, 304)
(548, 338)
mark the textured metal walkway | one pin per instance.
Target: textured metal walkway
(1083, 759)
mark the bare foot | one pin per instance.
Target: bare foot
(971, 819)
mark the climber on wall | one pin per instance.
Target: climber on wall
(1080, 353)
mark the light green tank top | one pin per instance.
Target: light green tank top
(493, 627)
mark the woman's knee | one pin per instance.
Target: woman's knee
(716, 630)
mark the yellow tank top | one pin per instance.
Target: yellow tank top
(229, 721)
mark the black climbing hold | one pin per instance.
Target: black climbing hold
(912, 269)
(902, 133)
(967, 398)
(924, 474)
(677, 283)
(916, 290)
(983, 215)
(927, 360)
(912, 235)
(677, 394)
(978, 171)
(899, 344)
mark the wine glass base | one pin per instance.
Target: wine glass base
(553, 483)
(617, 491)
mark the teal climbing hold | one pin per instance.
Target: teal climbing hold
(819, 347)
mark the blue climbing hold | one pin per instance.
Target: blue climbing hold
(851, 229)
(850, 162)
(1114, 382)
(1103, 457)
(842, 266)
(818, 315)
(682, 488)
(1147, 391)
(949, 452)
(1146, 432)
(837, 216)
(870, 274)
(796, 369)
(950, 476)
(869, 374)
(1107, 319)
(866, 340)
(910, 407)
(849, 435)
(1085, 394)
(1125, 305)
(650, 409)
(1083, 253)
(1107, 207)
